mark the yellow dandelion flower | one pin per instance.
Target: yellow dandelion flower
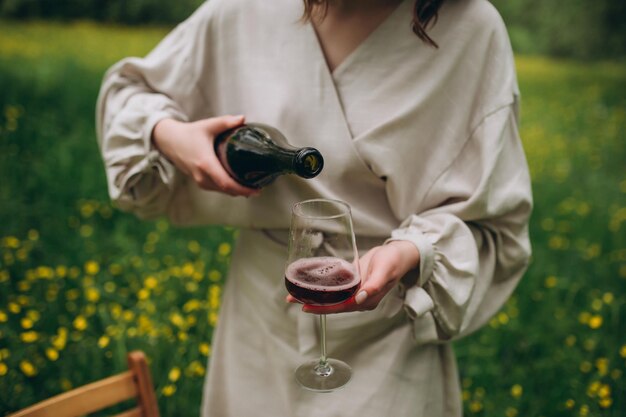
(213, 318)
(608, 298)
(24, 300)
(150, 282)
(604, 391)
(174, 374)
(21, 254)
(168, 390)
(192, 305)
(4, 354)
(475, 406)
(3, 317)
(109, 287)
(28, 368)
(26, 323)
(622, 351)
(4, 276)
(177, 320)
(103, 341)
(503, 318)
(584, 410)
(466, 395)
(224, 249)
(86, 230)
(52, 354)
(116, 310)
(595, 322)
(569, 404)
(44, 272)
(551, 281)
(605, 402)
(115, 269)
(128, 315)
(603, 366)
(92, 294)
(196, 368)
(87, 209)
(89, 310)
(589, 344)
(72, 294)
(80, 323)
(205, 349)
(92, 267)
(215, 275)
(597, 304)
(511, 412)
(29, 337)
(14, 307)
(33, 235)
(517, 391)
(182, 336)
(11, 242)
(191, 286)
(23, 286)
(193, 246)
(73, 272)
(4, 369)
(66, 385)
(188, 269)
(593, 388)
(584, 317)
(34, 315)
(143, 294)
(59, 341)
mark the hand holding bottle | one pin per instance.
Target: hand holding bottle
(190, 147)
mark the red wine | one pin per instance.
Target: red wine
(321, 281)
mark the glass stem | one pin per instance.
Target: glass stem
(323, 368)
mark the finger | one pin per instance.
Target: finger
(217, 125)
(291, 299)
(379, 280)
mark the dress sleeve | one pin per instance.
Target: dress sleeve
(136, 93)
(474, 242)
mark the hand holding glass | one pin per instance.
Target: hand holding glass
(322, 269)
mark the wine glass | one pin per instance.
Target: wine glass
(322, 269)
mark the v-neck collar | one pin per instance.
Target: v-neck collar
(387, 24)
(330, 80)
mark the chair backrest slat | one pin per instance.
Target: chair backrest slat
(86, 399)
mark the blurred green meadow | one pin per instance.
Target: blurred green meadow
(82, 283)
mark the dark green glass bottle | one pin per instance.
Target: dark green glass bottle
(255, 154)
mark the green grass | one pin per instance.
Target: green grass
(82, 283)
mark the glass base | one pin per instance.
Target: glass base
(315, 377)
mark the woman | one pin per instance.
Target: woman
(418, 126)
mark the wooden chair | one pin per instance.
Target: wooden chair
(134, 383)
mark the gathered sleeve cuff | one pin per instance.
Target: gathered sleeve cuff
(473, 244)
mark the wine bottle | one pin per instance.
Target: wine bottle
(255, 154)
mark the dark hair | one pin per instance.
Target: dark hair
(424, 13)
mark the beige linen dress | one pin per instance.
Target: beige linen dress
(421, 142)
